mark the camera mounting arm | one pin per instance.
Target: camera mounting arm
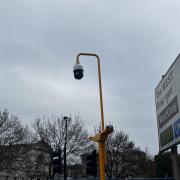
(100, 84)
(78, 74)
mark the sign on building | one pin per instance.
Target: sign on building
(167, 99)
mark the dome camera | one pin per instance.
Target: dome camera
(78, 71)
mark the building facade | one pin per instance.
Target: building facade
(32, 162)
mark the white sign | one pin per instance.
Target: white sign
(167, 99)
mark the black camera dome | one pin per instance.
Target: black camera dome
(78, 71)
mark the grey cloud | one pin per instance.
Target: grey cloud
(137, 41)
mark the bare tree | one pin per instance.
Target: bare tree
(12, 133)
(124, 159)
(118, 145)
(52, 131)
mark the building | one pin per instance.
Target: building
(30, 162)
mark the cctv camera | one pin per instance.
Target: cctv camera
(78, 71)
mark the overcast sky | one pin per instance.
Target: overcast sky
(137, 41)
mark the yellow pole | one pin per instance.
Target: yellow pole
(102, 160)
(102, 147)
(102, 150)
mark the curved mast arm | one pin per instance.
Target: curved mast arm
(100, 84)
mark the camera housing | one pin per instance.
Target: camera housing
(78, 71)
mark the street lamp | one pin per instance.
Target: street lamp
(65, 142)
(102, 136)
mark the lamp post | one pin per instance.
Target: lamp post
(65, 142)
(102, 136)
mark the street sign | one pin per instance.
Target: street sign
(167, 99)
(177, 128)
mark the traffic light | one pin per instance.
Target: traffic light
(91, 164)
(57, 162)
